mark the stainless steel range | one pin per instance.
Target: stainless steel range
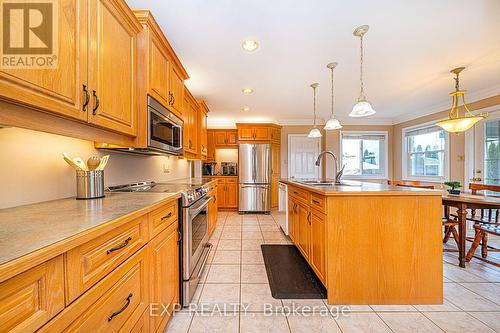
(193, 227)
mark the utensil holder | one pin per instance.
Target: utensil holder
(89, 184)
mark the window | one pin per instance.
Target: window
(364, 154)
(425, 153)
(492, 152)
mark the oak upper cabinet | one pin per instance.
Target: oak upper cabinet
(224, 138)
(203, 129)
(176, 89)
(112, 65)
(259, 132)
(164, 274)
(61, 89)
(210, 146)
(191, 119)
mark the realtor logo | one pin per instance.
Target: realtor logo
(29, 34)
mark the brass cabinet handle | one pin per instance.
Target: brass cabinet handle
(170, 96)
(316, 202)
(173, 99)
(166, 216)
(116, 313)
(118, 247)
(309, 218)
(96, 105)
(87, 98)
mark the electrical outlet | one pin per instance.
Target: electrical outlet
(166, 167)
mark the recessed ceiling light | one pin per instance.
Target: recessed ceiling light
(245, 108)
(247, 91)
(250, 45)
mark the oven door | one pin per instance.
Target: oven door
(163, 133)
(195, 246)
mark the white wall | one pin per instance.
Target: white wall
(33, 170)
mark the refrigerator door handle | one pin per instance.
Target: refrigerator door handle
(254, 164)
(254, 186)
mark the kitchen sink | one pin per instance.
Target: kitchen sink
(325, 183)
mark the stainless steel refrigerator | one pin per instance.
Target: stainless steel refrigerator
(254, 172)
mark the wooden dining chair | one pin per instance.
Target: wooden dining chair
(482, 231)
(486, 217)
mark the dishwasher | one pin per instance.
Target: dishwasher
(283, 207)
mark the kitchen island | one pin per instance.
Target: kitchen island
(369, 243)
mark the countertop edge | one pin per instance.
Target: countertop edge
(21, 264)
(402, 192)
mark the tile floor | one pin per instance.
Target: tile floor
(236, 278)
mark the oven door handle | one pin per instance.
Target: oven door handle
(196, 276)
(196, 208)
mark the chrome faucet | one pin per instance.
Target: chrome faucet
(338, 174)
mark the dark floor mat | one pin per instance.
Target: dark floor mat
(289, 274)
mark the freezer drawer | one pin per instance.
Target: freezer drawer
(254, 198)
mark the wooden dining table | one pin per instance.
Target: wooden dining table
(463, 202)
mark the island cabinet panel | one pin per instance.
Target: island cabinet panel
(318, 244)
(142, 325)
(292, 219)
(384, 249)
(164, 276)
(90, 262)
(32, 298)
(113, 66)
(115, 304)
(61, 89)
(304, 229)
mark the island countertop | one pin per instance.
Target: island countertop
(29, 228)
(350, 187)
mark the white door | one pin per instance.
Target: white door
(483, 151)
(302, 154)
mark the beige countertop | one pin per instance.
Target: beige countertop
(29, 228)
(361, 188)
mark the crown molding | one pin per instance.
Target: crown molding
(366, 121)
(443, 106)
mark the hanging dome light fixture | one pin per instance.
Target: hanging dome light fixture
(332, 123)
(314, 133)
(362, 108)
(455, 123)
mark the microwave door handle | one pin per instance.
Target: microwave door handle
(180, 137)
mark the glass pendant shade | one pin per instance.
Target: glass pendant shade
(459, 125)
(314, 133)
(455, 123)
(362, 109)
(332, 124)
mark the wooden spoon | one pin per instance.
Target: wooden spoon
(93, 162)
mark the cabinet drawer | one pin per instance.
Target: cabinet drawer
(115, 304)
(231, 180)
(163, 217)
(32, 298)
(318, 202)
(299, 193)
(90, 262)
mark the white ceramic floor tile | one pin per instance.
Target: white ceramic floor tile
(305, 305)
(227, 257)
(230, 234)
(224, 274)
(468, 300)
(389, 308)
(250, 228)
(489, 291)
(457, 322)
(252, 257)
(362, 323)
(253, 274)
(214, 324)
(229, 245)
(219, 297)
(251, 235)
(491, 319)
(338, 309)
(179, 323)
(259, 323)
(313, 323)
(401, 322)
(258, 298)
(458, 274)
(446, 306)
(251, 244)
(273, 235)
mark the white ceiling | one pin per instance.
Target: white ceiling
(409, 50)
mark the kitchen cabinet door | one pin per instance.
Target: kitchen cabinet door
(231, 193)
(245, 133)
(261, 133)
(276, 135)
(275, 159)
(186, 117)
(292, 217)
(220, 138)
(203, 133)
(176, 90)
(232, 137)
(62, 89)
(210, 146)
(164, 275)
(304, 230)
(212, 212)
(159, 66)
(318, 245)
(194, 136)
(112, 66)
(274, 191)
(221, 193)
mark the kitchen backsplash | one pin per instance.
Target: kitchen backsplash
(32, 168)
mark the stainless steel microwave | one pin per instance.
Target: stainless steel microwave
(164, 129)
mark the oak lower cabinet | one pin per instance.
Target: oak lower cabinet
(32, 298)
(307, 229)
(212, 210)
(164, 276)
(227, 192)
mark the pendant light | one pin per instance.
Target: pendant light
(314, 133)
(455, 123)
(362, 108)
(332, 123)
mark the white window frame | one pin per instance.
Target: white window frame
(404, 155)
(385, 155)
